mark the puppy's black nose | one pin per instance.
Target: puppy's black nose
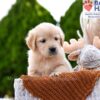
(52, 50)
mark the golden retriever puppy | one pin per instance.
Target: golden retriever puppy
(46, 55)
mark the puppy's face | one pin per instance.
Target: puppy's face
(48, 44)
(46, 39)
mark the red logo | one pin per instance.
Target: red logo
(88, 5)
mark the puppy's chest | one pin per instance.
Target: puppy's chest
(45, 67)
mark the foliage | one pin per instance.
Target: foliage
(23, 16)
(70, 22)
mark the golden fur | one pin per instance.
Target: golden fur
(41, 61)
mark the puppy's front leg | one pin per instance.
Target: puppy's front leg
(59, 70)
(32, 72)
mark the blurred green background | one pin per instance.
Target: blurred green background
(23, 16)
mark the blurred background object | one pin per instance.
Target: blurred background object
(57, 8)
(24, 15)
(5, 6)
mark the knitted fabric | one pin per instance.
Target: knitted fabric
(89, 57)
(67, 86)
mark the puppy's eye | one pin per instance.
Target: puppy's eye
(43, 41)
(56, 38)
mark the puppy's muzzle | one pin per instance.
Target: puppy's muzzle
(52, 51)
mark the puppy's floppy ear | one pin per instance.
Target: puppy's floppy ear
(74, 55)
(61, 35)
(31, 40)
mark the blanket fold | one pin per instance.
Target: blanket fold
(66, 86)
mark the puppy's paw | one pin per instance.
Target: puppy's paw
(55, 74)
